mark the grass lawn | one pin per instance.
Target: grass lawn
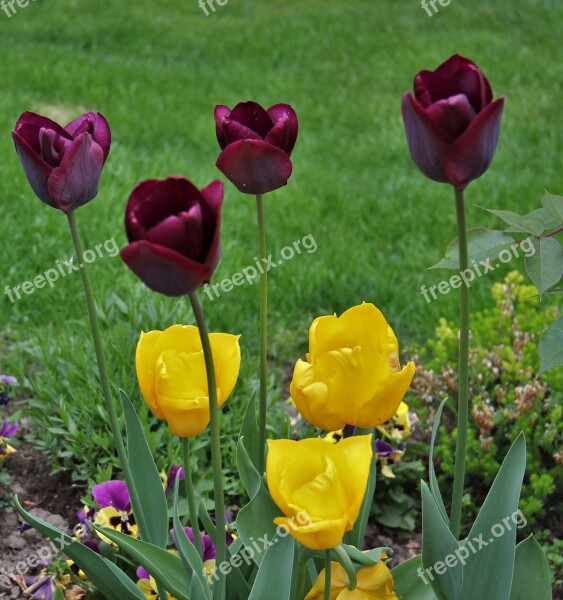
(156, 69)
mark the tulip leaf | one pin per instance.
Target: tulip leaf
(439, 548)
(249, 431)
(146, 478)
(107, 577)
(554, 207)
(273, 578)
(356, 536)
(369, 558)
(532, 577)
(545, 266)
(59, 594)
(188, 553)
(411, 583)
(206, 521)
(490, 564)
(482, 244)
(161, 564)
(250, 478)
(529, 224)
(434, 487)
(256, 520)
(551, 347)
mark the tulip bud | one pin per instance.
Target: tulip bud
(63, 165)
(256, 145)
(452, 124)
(173, 229)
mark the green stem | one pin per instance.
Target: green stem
(262, 407)
(188, 481)
(328, 567)
(301, 575)
(220, 541)
(463, 369)
(99, 349)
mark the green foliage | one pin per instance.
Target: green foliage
(506, 397)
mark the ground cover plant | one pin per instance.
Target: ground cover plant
(48, 348)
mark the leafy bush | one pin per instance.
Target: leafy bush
(506, 396)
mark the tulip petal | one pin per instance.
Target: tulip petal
(453, 114)
(164, 270)
(29, 125)
(386, 398)
(280, 111)
(35, 168)
(279, 134)
(254, 166)
(428, 143)
(234, 131)
(213, 193)
(145, 364)
(226, 357)
(96, 125)
(221, 112)
(316, 536)
(253, 116)
(475, 148)
(75, 181)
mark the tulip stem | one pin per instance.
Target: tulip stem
(328, 567)
(190, 495)
(463, 370)
(263, 400)
(99, 349)
(214, 414)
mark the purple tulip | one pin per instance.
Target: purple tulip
(173, 230)
(256, 145)
(63, 165)
(452, 123)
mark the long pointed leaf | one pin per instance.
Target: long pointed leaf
(532, 577)
(434, 487)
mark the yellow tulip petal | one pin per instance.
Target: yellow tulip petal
(226, 357)
(387, 398)
(317, 536)
(339, 580)
(145, 364)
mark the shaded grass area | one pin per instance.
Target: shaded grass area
(155, 69)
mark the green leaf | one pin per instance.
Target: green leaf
(146, 478)
(249, 476)
(357, 534)
(551, 347)
(109, 579)
(59, 594)
(545, 266)
(439, 549)
(256, 519)
(274, 579)
(411, 583)
(188, 553)
(490, 564)
(532, 577)
(482, 244)
(526, 223)
(249, 431)
(162, 565)
(554, 207)
(434, 487)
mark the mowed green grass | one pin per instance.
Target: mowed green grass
(156, 69)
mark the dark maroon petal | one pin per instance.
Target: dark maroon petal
(279, 134)
(471, 82)
(76, 180)
(254, 166)
(234, 131)
(29, 124)
(253, 116)
(182, 233)
(429, 88)
(452, 65)
(35, 168)
(213, 193)
(112, 493)
(53, 146)
(474, 150)
(164, 270)
(428, 143)
(154, 200)
(279, 112)
(96, 125)
(453, 115)
(221, 112)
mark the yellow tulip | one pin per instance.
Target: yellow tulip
(319, 487)
(172, 376)
(351, 375)
(374, 583)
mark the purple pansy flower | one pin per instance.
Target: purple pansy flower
(8, 430)
(207, 545)
(112, 493)
(171, 479)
